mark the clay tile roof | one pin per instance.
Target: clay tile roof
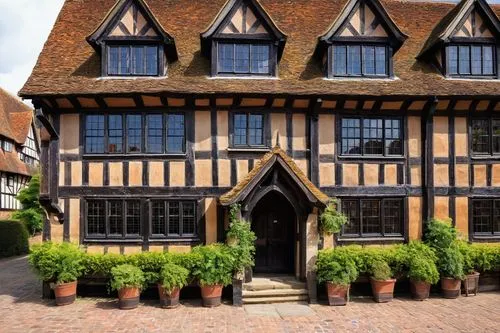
(10, 162)
(15, 118)
(232, 196)
(69, 65)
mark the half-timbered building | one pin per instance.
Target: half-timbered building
(18, 151)
(160, 114)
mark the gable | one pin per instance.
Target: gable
(362, 21)
(244, 21)
(133, 23)
(473, 26)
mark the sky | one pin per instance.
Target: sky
(24, 27)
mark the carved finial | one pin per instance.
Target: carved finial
(278, 140)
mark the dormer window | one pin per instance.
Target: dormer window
(361, 42)
(471, 60)
(132, 42)
(243, 42)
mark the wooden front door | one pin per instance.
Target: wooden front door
(273, 223)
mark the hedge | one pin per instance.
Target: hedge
(13, 239)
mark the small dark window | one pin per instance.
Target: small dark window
(248, 130)
(360, 60)
(471, 60)
(244, 59)
(155, 133)
(485, 136)
(133, 218)
(486, 217)
(96, 218)
(115, 213)
(134, 133)
(113, 218)
(94, 134)
(175, 133)
(373, 217)
(173, 219)
(371, 136)
(7, 146)
(136, 60)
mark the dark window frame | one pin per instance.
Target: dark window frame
(361, 137)
(144, 134)
(491, 151)
(166, 211)
(382, 235)
(265, 128)
(470, 42)
(489, 235)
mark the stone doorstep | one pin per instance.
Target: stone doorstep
(275, 299)
(274, 292)
(264, 283)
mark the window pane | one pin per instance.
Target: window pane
(94, 134)
(369, 60)
(488, 66)
(393, 216)
(464, 60)
(476, 60)
(188, 218)
(371, 217)
(372, 137)
(393, 144)
(133, 218)
(381, 60)
(95, 218)
(124, 60)
(351, 209)
(340, 60)
(480, 136)
(175, 133)
(138, 60)
(351, 136)
(496, 135)
(260, 59)
(481, 215)
(240, 129)
(134, 133)
(242, 58)
(173, 218)
(113, 60)
(226, 58)
(155, 133)
(115, 218)
(453, 60)
(158, 218)
(115, 134)
(255, 129)
(152, 60)
(354, 60)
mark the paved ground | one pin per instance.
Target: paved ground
(22, 310)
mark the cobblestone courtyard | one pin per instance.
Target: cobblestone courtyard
(22, 310)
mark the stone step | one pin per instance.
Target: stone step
(275, 283)
(280, 299)
(274, 293)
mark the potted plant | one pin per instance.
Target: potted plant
(471, 281)
(213, 270)
(381, 281)
(128, 280)
(172, 278)
(60, 265)
(420, 266)
(337, 269)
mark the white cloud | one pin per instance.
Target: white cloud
(24, 27)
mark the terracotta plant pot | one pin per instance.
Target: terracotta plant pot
(169, 300)
(211, 295)
(65, 293)
(337, 294)
(420, 290)
(383, 290)
(450, 287)
(128, 298)
(471, 284)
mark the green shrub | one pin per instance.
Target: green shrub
(486, 257)
(127, 276)
(451, 262)
(440, 234)
(13, 239)
(241, 241)
(150, 263)
(60, 263)
(214, 265)
(469, 257)
(380, 270)
(173, 276)
(423, 269)
(32, 213)
(336, 266)
(331, 219)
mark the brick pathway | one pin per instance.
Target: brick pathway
(22, 310)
